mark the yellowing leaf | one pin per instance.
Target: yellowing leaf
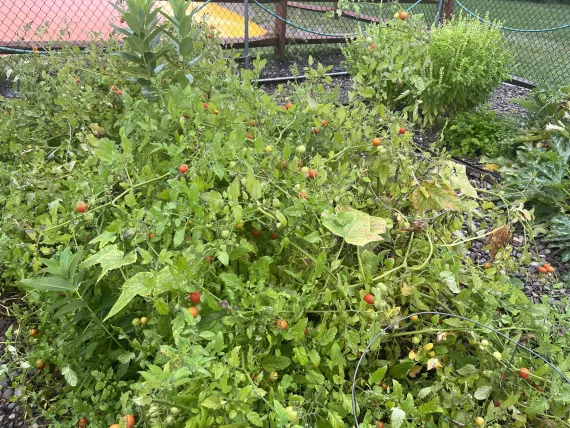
(356, 227)
(433, 363)
(435, 196)
(412, 355)
(491, 167)
(406, 290)
(414, 371)
(441, 335)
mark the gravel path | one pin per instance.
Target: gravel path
(10, 413)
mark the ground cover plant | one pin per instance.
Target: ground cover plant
(196, 254)
(481, 132)
(539, 175)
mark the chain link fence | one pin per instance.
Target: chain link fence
(537, 30)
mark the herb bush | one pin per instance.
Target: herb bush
(427, 74)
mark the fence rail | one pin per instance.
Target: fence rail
(538, 30)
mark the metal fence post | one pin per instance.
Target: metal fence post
(246, 35)
(439, 12)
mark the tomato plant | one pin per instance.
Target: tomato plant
(297, 270)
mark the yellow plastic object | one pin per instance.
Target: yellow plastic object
(227, 23)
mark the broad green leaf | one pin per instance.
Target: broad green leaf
(356, 227)
(378, 375)
(398, 417)
(70, 307)
(161, 307)
(328, 336)
(48, 283)
(69, 375)
(254, 418)
(139, 285)
(399, 371)
(483, 392)
(449, 279)
(314, 378)
(300, 355)
(281, 416)
(179, 236)
(431, 406)
(370, 263)
(109, 258)
(231, 280)
(460, 181)
(467, 369)
(211, 402)
(335, 420)
(275, 363)
(125, 357)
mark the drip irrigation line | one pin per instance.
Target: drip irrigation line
(445, 314)
(516, 30)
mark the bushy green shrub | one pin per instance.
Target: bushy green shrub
(424, 73)
(480, 132)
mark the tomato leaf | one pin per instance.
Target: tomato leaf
(483, 392)
(275, 363)
(355, 227)
(69, 375)
(398, 417)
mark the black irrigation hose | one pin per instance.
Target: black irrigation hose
(445, 314)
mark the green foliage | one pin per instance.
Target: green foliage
(481, 132)
(540, 177)
(451, 68)
(281, 259)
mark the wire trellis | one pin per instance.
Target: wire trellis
(445, 314)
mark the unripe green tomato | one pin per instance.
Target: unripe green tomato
(484, 343)
(225, 234)
(381, 149)
(169, 420)
(144, 320)
(276, 203)
(242, 181)
(305, 170)
(232, 164)
(279, 226)
(416, 340)
(263, 185)
(301, 149)
(297, 186)
(136, 322)
(175, 410)
(89, 217)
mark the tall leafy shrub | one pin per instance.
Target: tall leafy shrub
(428, 73)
